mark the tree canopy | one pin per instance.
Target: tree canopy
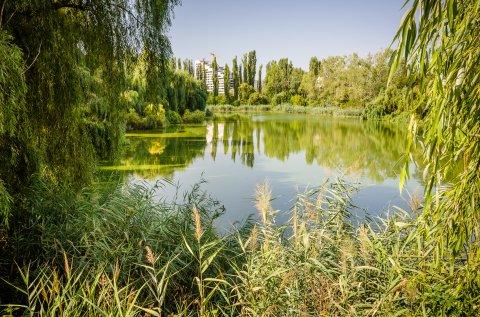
(62, 77)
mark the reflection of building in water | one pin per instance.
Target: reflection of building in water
(210, 132)
(238, 141)
(357, 148)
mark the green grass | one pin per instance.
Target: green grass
(117, 252)
(139, 167)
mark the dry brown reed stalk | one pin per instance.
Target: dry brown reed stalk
(107, 290)
(253, 239)
(263, 196)
(116, 272)
(67, 266)
(295, 222)
(364, 242)
(322, 294)
(198, 223)
(288, 277)
(347, 252)
(150, 256)
(414, 202)
(310, 210)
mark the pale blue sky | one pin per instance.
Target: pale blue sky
(296, 29)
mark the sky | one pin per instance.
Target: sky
(297, 29)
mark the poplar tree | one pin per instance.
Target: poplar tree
(204, 75)
(240, 75)
(226, 82)
(252, 64)
(245, 68)
(235, 78)
(314, 66)
(215, 76)
(259, 83)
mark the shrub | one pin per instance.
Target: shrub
(133, 120)
(298, 100)
(197, 116)
(173, 117)
(221, 100)
(257, 99)
(374, 111)
(155, 116)
(280, 98)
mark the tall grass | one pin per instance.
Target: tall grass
(289, 108)
(120, 252)
(242, 108)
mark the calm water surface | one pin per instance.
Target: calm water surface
(234, 153)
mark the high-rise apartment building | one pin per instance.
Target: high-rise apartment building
(204, 68)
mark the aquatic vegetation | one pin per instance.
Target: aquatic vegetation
(118, 251)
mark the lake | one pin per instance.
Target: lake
(294, 152)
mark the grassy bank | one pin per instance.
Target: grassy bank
(118, 252)
(288, 108)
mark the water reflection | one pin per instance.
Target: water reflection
(366, 149)
(236, 152)
(371, 149)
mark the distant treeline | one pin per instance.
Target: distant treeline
(339, 81)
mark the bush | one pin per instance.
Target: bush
(257, 99)
(154, 117)
(197, 116)
(221, 100)
(298, 100)
(280, 98)
(374, 111)
(173, 117)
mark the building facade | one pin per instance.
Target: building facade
(204, 68)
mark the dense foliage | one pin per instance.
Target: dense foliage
(338, 81)
(63, 72)
(177, 91)
(439, 39)
(117, 251)
(65, 64)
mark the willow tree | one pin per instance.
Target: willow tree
(439, 40)
(73, 55)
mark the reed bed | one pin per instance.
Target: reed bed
(121, 251)
(288, 108)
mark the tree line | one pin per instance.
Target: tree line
(342, 81)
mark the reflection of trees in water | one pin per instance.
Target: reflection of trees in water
(371, 149)
(163, 155)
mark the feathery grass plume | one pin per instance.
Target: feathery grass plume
(149, 256)
(263, 196)
(252, 240)
(362, 236)
(198, 223)
(414, 202)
